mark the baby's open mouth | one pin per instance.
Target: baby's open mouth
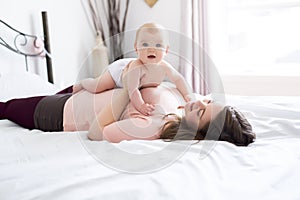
(151, 56)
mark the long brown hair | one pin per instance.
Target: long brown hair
(229, 125)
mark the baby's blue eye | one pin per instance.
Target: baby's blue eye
(145, 44)
(158, 45)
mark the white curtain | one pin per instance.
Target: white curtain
(193, 58)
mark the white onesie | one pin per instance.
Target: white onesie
(116, 69)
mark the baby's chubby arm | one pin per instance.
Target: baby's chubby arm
(131, 82)
(138, 102)
(179, 81)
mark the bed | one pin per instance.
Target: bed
(66, 165)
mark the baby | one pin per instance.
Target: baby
(148, 70)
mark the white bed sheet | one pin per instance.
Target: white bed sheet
(43, 165)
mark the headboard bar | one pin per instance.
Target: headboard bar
(47, 46)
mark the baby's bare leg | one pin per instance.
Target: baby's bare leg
(100, 84)
(105, 82)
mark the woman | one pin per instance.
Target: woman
(105, 118)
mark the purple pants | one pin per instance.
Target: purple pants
(21, 111)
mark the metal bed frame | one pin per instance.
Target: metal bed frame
(30, 40)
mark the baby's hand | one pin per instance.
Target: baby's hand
(77, 87)
(146, 108)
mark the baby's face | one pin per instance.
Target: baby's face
(151, 46)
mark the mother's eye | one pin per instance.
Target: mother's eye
(198, 113)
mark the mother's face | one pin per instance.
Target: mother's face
(199, 113)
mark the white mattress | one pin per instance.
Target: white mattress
(65, 165)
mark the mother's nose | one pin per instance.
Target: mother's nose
(200, 104)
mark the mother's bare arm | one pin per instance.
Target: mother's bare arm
(108, 115)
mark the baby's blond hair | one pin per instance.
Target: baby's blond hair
(152, 28)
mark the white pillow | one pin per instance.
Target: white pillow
(24, 84)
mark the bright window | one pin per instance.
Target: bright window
(259, 37)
